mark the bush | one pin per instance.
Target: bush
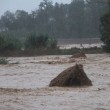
(52, 43)
(3, 61)
(2, 42)
(35, 41)
(9, 43)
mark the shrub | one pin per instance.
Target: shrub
(34, 41)
(3, 61)
(9, 43)
(52, 43)
(2, 42)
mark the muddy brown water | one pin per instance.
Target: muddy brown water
(24, 86)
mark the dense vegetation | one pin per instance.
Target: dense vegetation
(8, 42)
(36, 44)
(78, 19)
(105, 29)
(32, 42)
(3, 61)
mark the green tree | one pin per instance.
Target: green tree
(105, 29)
(44, 15)
(80, 18)
(7, 21)
(22, 20)
(8, 42)
(34, 41)
(94, 10)
(76, 17)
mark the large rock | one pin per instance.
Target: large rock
(73, 76)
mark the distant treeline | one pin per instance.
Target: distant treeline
(78, 19)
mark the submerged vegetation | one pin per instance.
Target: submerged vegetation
(3, 61)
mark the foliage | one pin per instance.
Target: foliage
(2, 42)
(3, 61)
(34, 41)
(52, 43)
(105, 31)
(9, 43)
(80, 18)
